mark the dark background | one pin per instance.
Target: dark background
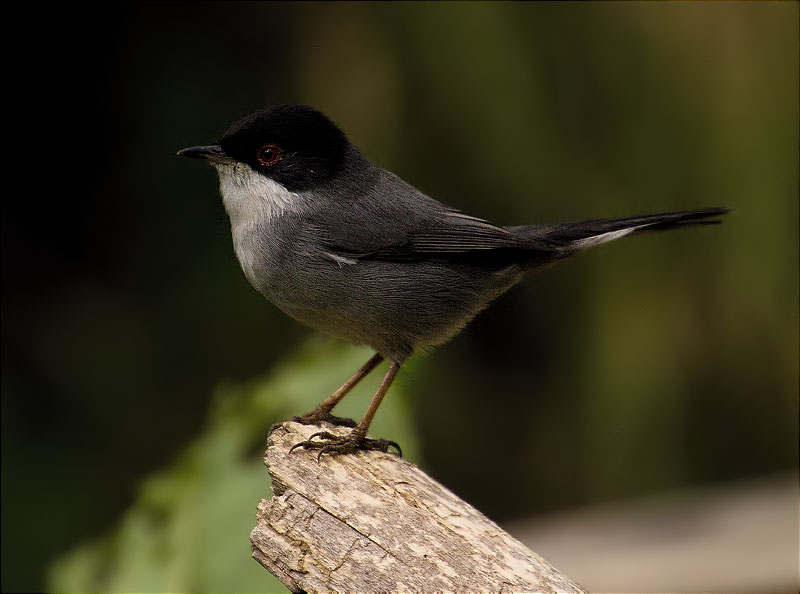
(655, 362)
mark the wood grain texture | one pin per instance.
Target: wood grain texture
(373, 522)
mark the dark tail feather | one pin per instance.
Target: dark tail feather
(568, 238)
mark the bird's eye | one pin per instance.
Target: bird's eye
(269, 154)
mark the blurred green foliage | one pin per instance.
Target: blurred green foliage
(188, 529)
(131, 338)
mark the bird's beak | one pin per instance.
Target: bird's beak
(212, 152)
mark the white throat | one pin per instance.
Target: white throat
(251, 198)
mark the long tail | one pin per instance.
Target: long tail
(564, 239)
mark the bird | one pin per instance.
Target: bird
(352, 250)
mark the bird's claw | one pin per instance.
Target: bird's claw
(348, 444)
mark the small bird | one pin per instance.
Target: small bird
(352, 250)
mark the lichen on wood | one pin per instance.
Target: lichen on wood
(373, 522)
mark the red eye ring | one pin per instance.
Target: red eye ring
(269, 154)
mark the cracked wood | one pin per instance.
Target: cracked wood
(373, 522)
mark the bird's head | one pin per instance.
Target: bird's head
(295, 146)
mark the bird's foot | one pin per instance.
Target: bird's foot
(320, 415)
(352, 442)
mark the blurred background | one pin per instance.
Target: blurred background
(640, 400)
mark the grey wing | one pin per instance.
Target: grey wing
(394, 221)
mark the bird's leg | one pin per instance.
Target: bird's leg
(357, 438)
(323, 411)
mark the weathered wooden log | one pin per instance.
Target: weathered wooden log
(373, 522)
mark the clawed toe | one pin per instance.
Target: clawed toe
(329, 443)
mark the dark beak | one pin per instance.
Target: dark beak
(213, 152)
